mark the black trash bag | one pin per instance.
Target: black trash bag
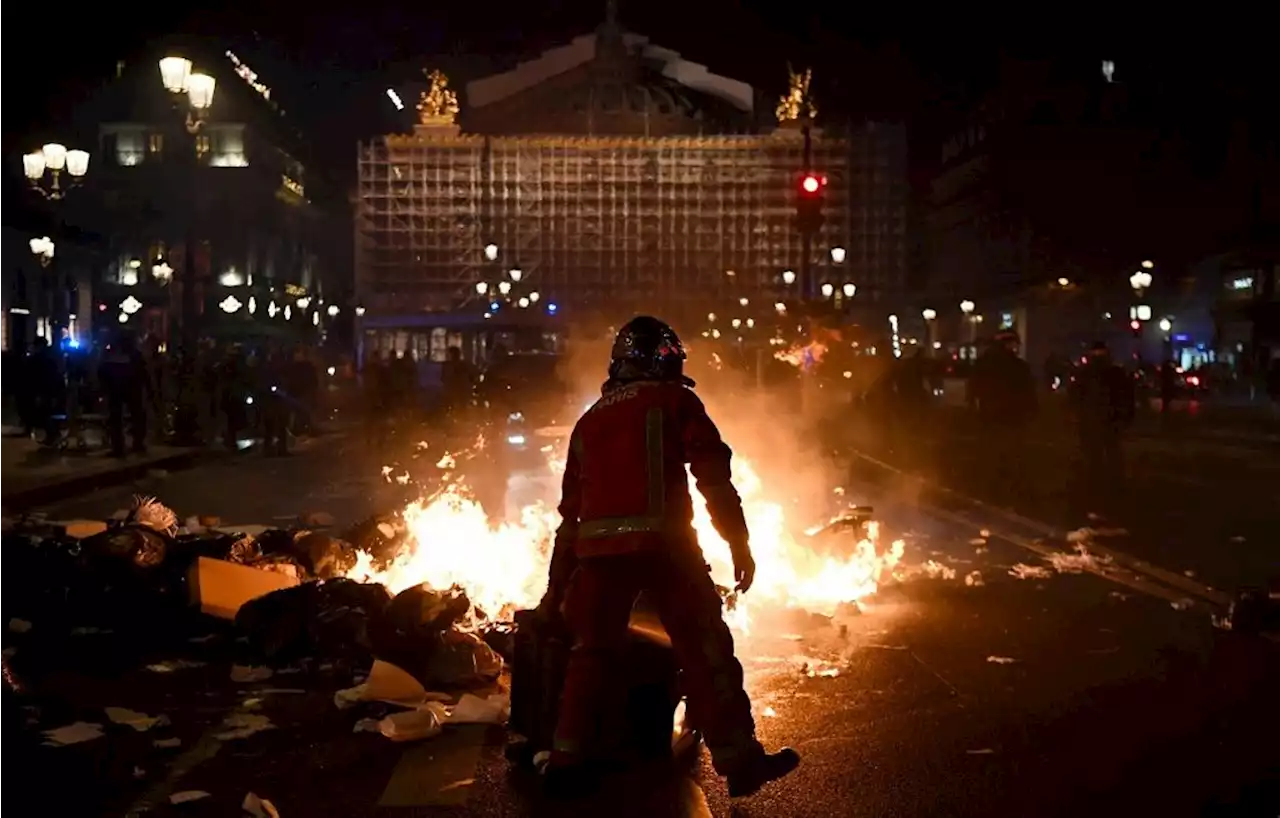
(244, 550)
(459, 659)
(379, 536)
(410, 628)
(1254, 610)
(275, 541)
(501, 636)
(322, 555)
(58, 563)
(136, 545)
(324, 618)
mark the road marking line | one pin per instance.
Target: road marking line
(1178, 581)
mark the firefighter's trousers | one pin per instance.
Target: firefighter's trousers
(597, 608)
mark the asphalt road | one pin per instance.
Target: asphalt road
(1196, 499)
(1062, 694)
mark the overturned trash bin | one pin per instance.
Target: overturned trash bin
(649, 711)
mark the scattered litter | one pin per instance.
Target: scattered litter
(200, 640)
(366, 726)
(985, 751)
(769, 713)
(167, 743)
(173, 665)
(187, 795)
(75, 733)
(90, 631)
(465, 782)
(259, 807)
(1118, 595)
(243, 725)
(978, 541)
(390, 684)
(248, 673)
(974, 579)
(471, 709)
(19, 625)
(413, 725)
(1080, 535)
(1181, 604)
(1001, 660)
(251, 704)
(818, 668)
(937, 570)
(138, 721)
(1189, 574)
(1078, 562)
(1024, 571)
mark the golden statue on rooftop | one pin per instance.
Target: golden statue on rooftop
(798, 101)
(438, 105)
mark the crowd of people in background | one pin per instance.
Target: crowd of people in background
(127, 390)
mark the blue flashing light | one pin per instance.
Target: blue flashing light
(551, 308)
(493, 306)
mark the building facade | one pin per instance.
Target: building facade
(222, 189)
(616, 177)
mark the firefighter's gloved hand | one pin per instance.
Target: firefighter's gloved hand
(744, 568)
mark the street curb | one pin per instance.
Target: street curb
(55, 491)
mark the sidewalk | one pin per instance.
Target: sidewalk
(34, 476)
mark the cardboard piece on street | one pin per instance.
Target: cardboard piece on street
(219, 587)
(80, 529)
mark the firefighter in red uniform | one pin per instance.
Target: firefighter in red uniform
(628, 527)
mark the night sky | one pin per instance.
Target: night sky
(329, 64)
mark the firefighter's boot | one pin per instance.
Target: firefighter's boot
(751, 775)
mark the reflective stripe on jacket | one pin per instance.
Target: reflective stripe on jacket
(625, 485)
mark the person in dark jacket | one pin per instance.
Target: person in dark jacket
(123, 374)
(275, 403)
(628, 528)
(1103, 399)
(1002, 390)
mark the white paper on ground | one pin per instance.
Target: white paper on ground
(243, 725)
(471, 709)
(73, 733)
(187, 795)
(138, 721)
(387, 683)
(414, 725)
(248, 673)
(259, 807)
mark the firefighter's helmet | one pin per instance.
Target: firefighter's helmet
(647, 349)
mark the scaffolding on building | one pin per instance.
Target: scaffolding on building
(600, 223)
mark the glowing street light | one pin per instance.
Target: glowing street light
(1165, 325)
(162, 272)
(788, 277)
(229, 304)
(929, 314)
(1147, 265)
(491, 251)
(482, 287)
(849, 290)
(967, 307)
(744, 301)
(516, 274)
(504, 287)
(333, 310)
(828, 289)
(534, 296)
(54, 159)
(1140, 280)
(838, 255)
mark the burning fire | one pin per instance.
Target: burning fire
(504, 567)
(803, 356)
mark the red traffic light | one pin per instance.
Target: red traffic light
(810, 184)
(1135, 325)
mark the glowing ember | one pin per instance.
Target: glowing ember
(504, 567)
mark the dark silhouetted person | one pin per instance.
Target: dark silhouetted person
(275, 404)
(123, 374)
(1104, 405)
(1002, 390)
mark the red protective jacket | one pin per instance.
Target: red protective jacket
(625, 486)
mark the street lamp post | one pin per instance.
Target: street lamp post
(44, 170)
(178, 79)
(967, 307)
(929, 315)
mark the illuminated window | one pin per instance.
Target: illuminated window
(202, 145)
(155, 143)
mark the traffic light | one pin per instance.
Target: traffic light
(1135, 326)
(809, 201)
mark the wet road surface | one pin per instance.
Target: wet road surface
(1059, 694)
